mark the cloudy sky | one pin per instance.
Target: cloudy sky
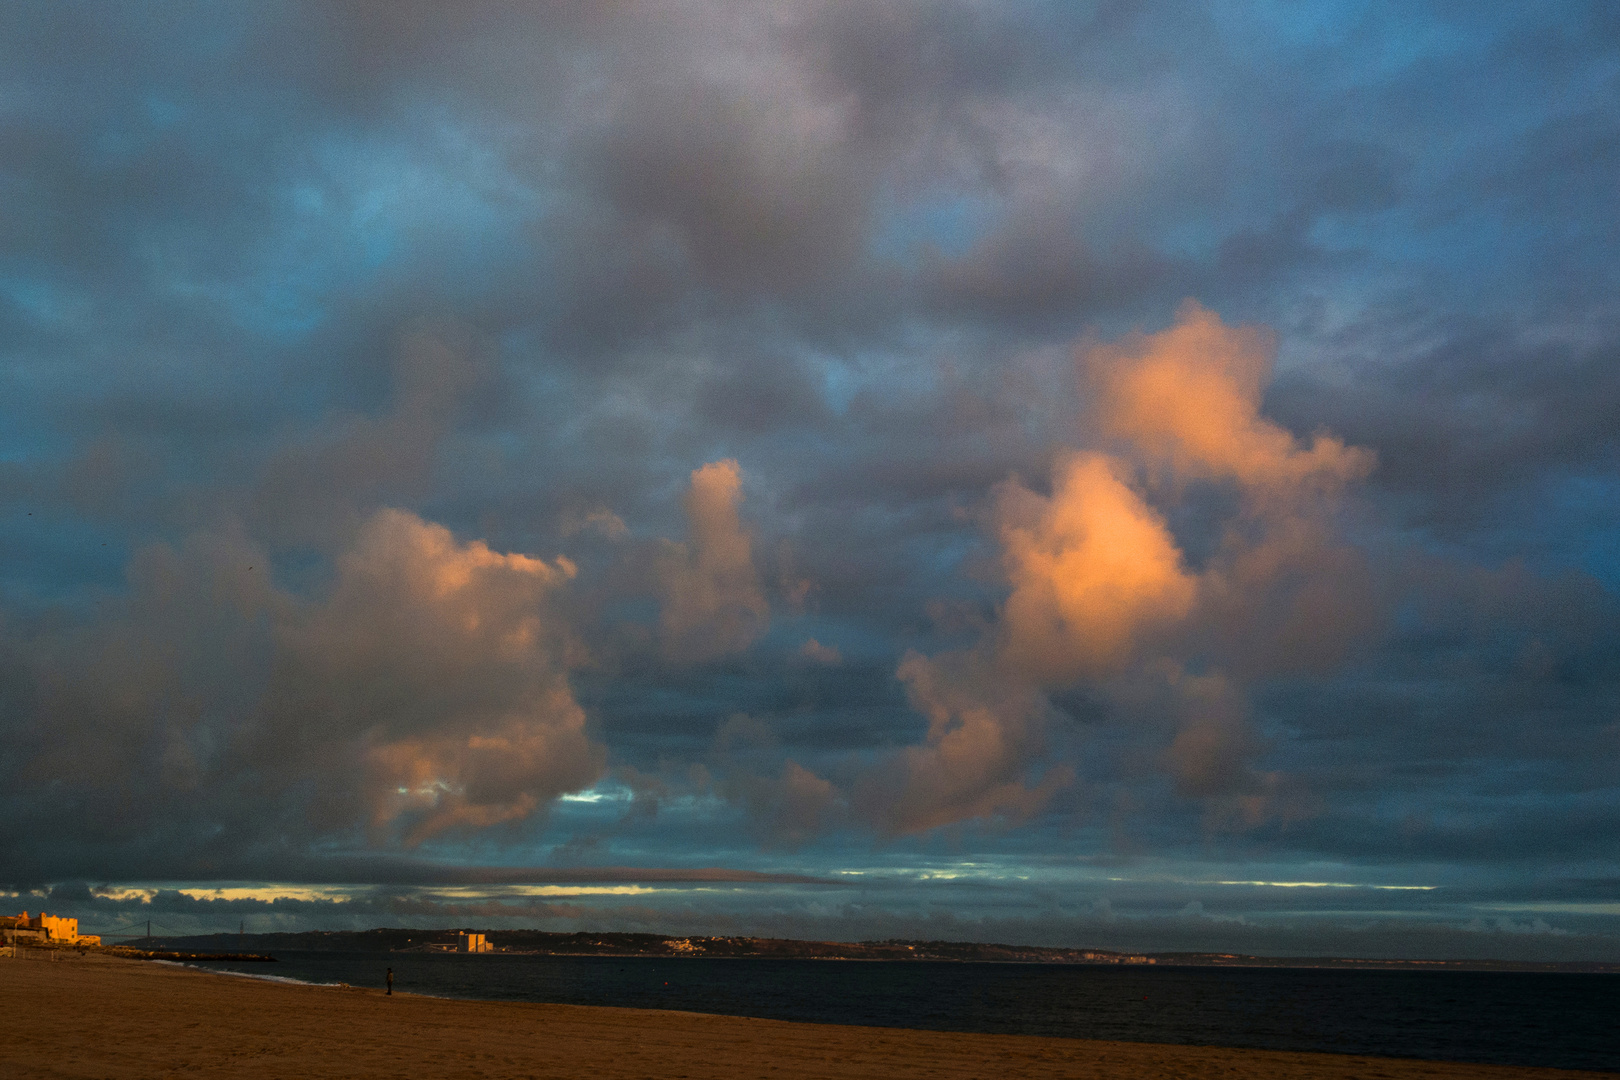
(1121, 473)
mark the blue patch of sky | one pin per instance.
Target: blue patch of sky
(646, 723)
(367, 211)
(1372, 41)
(55, 559)
(163, 112)
(54, 303)
(854, 640)
(1573, 524)
(594, 808)
(1196, 238)
(305, 572)
(1595, 545)
(841, 379)
(277, 307)
(30, 431)
(939, 556)
(949, 225)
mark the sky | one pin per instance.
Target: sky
(1136, 475)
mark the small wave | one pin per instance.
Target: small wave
(249, 974)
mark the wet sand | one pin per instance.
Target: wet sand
(98, 1016)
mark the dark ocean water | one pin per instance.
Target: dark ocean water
(1512, 1018)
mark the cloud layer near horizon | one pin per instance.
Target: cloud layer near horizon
(741, 436)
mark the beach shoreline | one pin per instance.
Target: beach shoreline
(91, 1015)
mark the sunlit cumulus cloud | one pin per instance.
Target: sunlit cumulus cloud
(713, 602)
(1093, 568)
(444, 665)
(426, 691)
(1101, 590)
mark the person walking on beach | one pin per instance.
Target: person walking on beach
(390, 983)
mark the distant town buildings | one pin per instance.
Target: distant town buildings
(43, 929)
(473, 943)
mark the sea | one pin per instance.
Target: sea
(1557, 1019)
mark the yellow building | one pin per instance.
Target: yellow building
(44, 929)
(473, 943)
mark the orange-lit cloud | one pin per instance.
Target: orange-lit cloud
(713, 601)
(598, 519)
(1186, 403)
(442, 660)
(1100, 586)
(1092, 568)
(983, 730)
(815, 651)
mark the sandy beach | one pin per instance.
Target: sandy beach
(100, 1016)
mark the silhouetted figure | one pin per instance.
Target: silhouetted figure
(390, 983)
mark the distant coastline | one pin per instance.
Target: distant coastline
(547, 943)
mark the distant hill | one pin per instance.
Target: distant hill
(544, 943)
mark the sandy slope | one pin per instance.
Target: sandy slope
(102, 1017)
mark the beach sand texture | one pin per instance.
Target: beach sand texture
(103, 1017)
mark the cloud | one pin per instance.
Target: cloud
(1186, 403)
(1099, 585)
(1092, 569)
(583, 875)
(1211, 757)
(312, 491)
(1210, 754)
(816, 652)
(442, 662)
(713, 602)
(1279, 587)
(787, 810)
(984, 730)
(599, 519)
(214, 714)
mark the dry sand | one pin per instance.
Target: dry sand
(98, 1016)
